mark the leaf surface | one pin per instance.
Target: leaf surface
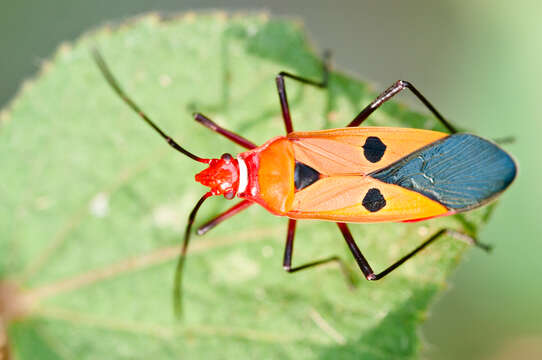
(94, 205)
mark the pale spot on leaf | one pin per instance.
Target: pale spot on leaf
(141, 76)
(165, 80)
(259, 293)
(252, 30)
(236, 267)
(409, 269)
(99, 205)
(394, 250)
(167, 216)
(43, 203)
(423, 231)
(333, 116)
(267, 251)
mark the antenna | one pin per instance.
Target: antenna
(116, 87)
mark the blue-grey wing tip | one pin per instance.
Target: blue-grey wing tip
(461, 171)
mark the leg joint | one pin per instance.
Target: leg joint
(371, 277)
(404, 84)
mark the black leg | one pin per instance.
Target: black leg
(289, 249)
(238, 139)
(390, 92)
(282, 89)
(368, 271)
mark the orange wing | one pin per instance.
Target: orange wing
(359, 150)
(343, 158)
(361, 199)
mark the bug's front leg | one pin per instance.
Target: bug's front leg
(230, 135)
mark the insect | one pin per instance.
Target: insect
(347, 175)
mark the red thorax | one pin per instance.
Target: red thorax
(222, 176)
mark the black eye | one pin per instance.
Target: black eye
(229, 195)
(226, 157)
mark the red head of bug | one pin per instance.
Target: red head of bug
(222, 176)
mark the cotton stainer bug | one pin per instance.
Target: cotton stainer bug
(353, 174)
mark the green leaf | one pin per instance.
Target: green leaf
(94, 205)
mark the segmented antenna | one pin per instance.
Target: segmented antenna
(177, 299)
(116, 87)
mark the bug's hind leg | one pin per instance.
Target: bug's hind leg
(368, 271)
(390, 92)
(289, 249)
(282, 88)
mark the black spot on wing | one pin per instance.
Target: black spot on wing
(373, 149)
(461, 171)
(373, 200)
(304, 175)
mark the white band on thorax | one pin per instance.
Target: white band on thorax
(243, 175)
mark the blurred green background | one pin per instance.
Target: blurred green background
(479, 62)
